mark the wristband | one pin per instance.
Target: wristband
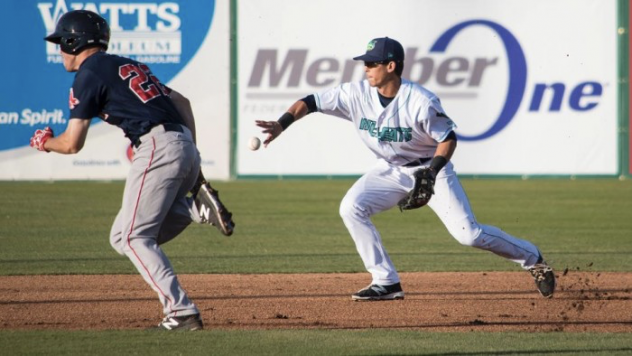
(286, 120)
(437, 163)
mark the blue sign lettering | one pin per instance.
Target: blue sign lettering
(517, 72)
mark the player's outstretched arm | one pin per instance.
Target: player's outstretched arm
(274, 128)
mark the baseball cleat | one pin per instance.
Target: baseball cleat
(181, 323)
(212, 211)
(379, 292)
(544, 279)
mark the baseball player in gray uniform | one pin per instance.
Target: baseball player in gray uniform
(409, 132)
(165, 168)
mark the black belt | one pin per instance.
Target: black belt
(418, 162)
(168, 126)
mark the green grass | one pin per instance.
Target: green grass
(293, 226)
(312, 342)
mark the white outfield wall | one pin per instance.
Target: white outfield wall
(487, 59)
(532, 85)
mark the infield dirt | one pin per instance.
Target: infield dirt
(481, 301)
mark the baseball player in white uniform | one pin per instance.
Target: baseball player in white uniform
(408, 130)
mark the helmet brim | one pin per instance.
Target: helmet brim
(54, 38)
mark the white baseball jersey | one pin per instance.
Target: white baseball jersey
(407, 129)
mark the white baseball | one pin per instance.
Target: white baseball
(254, 143)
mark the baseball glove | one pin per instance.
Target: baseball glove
(422, 190)
(212, 210)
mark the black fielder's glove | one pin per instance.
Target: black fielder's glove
(422, 190)
(211, 209)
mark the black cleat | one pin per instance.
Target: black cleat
(181, 323)
(379, 292)
(211, 209)
(544, 279)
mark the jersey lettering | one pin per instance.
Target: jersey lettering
(387, 134)
(396, 134)
(143, 83)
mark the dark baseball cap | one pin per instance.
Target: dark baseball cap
(382, 49)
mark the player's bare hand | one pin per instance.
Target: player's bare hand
(272, 128)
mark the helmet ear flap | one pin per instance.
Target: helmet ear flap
(68, 44)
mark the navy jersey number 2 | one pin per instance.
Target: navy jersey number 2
(143, 83)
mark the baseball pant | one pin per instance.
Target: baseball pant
(385, 185)
(155, 210)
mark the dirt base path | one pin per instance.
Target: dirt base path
(496, 301)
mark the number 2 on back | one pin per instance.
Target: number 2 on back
(144, 84)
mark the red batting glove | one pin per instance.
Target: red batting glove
(40, 137)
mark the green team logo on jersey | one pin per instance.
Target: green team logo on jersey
(388, 134)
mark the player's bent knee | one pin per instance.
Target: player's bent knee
(352, 211)
(345, 208)
(117, 245)
(467, 235)
(132, 245)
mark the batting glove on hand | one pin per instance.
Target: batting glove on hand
(40, 137)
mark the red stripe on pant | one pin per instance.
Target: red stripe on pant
(134, 220)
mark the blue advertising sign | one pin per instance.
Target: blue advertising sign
(163, 34)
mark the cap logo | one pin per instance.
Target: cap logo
(370, 46)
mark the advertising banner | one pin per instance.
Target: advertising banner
(185, 43)
(531, 85)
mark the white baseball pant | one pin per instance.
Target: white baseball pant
(385, 185)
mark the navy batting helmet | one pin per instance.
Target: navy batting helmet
(79, 29)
